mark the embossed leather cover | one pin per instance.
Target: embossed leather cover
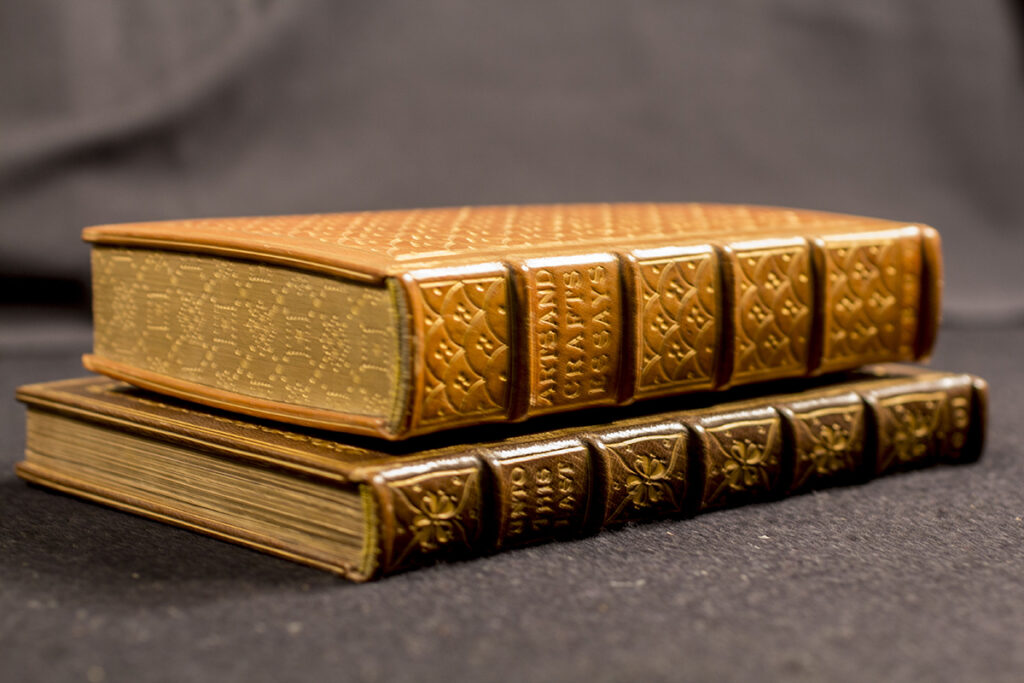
(511, 312)
(433, 499)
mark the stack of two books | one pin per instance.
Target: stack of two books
(369, 392)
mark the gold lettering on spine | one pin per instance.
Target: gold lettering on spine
(542, 493)
(518, 501)
(575, 333)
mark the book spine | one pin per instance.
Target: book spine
(920, 423)
(540, 491)
(643, 472)
(572, 333)
(678, 465)
(877, 299)
(826, 437)
(461, 347)
(507, 341)
(737, 457)
(427, 512)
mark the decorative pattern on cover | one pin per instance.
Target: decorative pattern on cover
(409, 508)
(438, 318)
(917, 425)
(872, 290)
(465, 367)
(272, 333)
(644, 472)
(826, 435)
(392, 242)
(429, 511)
(773, 294)
(677, 298)
(741, 455)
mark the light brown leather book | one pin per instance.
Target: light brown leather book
(398, 323)
(364, 510)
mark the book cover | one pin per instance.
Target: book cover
(399, 323)
(366, 508)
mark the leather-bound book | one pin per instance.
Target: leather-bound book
(365, 509)
(400, 323)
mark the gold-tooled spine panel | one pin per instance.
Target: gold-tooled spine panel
(676, 324)
(956, 431)
(642, 473)
(925, 422)
(825, 441)
(461, 347)
(539, 492)
(738, 455)
(572, 318)
(509, 341)
(771, 309)
(428, 512)
(869, 297)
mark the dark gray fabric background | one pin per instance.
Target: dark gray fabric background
(135, 110)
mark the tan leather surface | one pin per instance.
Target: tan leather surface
(517, 311)
(826, 434)
(374, 244)
(918, 423)
(428, 511)
(461, 327)
(541, 490)
(605, 327)
(739, 454)
(644, 472)
(572, 339)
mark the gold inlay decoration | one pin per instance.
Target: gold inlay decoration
(258, 330)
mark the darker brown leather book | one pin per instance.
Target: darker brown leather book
(364, 510)
(399, 323)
